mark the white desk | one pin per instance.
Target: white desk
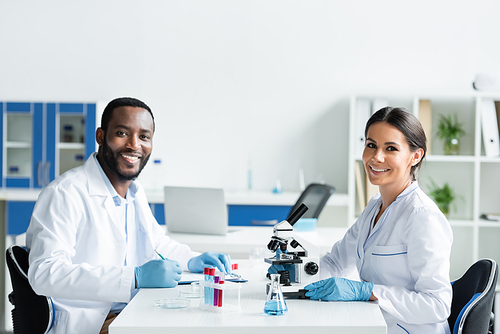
(239, 243)
(304, 316)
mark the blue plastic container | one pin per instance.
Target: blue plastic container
(305, 224)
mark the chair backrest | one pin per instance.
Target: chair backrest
(314, 197)
(473, 295)
(32, 313)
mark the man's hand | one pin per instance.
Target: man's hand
(158, 274)
(220, 261)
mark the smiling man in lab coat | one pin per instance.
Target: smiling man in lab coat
(92, 237)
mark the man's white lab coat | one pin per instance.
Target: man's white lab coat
(77, 250)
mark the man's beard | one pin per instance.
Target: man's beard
(111, 161)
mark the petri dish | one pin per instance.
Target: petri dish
(190, 294)
(194, 292)
(172, 303)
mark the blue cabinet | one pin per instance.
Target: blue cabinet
(255, 215)
(240, 215)
(19, 214)
(43, 140)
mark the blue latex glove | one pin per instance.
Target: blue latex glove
(337, 288)
(158, 274)
(220, 261)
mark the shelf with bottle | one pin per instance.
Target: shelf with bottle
(70, 159)
(70, 146)
(71, 129)
(18, 162)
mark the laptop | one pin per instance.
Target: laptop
(195, 210)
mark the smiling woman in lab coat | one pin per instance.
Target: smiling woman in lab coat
(400, 245)
(92, 236)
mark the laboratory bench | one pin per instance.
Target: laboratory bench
(141, 315)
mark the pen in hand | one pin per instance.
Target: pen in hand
(159, 255)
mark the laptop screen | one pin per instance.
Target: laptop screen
(195, 210)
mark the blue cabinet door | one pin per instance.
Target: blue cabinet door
(77, 124)
(20, 142)
(18, 216)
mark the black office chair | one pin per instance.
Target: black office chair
(32, 313)
(473, 296)
(314, 197)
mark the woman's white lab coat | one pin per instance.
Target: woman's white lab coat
(406, 256)
(77, 250)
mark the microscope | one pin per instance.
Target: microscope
(298, 258)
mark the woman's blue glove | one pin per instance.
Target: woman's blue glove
(337, 288)
(158, 274)
(275, 268)
(220, 261)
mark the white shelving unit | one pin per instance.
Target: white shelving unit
(474, 176)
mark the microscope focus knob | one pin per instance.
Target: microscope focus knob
(311, 268)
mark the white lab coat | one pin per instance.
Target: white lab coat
(77, 250)
(406, 256)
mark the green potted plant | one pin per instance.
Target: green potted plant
(443, 196)
(450, 130)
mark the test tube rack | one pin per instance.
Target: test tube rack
(227, 300)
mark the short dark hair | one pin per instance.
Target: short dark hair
(408, 124)
(122, 102)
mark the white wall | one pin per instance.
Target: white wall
(233, 81)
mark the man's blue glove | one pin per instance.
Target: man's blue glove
(158, 274)
(220, 261)
(337, 288)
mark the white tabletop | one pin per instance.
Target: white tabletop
(303, 316)
(245, 239)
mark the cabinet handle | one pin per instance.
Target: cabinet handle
(39, 173)
(47, 173)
